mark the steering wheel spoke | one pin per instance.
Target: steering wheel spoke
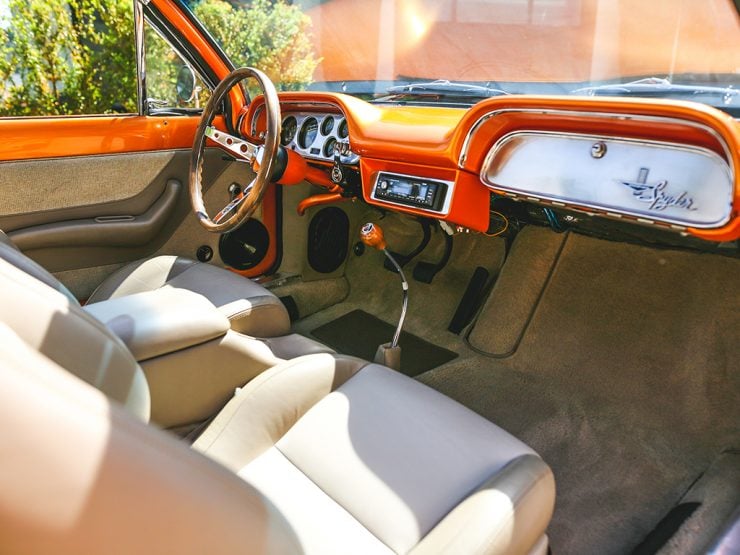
(240, 148)
(235, 202)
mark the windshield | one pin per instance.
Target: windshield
(682, 49)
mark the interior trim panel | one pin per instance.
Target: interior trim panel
(668, 183)
(103, 231)
(315, 136)
(693, 148)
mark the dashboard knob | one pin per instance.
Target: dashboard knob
(372, 236)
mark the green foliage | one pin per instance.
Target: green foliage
(77, 56)
(270, 35)
(60, 58)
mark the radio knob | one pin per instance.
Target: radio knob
(384, 185)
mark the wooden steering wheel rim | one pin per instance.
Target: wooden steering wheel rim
(269, 151)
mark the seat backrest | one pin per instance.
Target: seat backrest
(12, 254)
(51, 323)
(81, 476)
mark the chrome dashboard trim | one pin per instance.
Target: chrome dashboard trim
(554, 167)
(462, 158)
(301, 117)
(312, 103)
(445, 207)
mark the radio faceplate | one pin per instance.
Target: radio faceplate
(413, 191)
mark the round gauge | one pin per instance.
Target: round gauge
(308, 132)
(329, 147)
(343, 130)
(287, 134)
(327, 125)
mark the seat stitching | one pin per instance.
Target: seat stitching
(249, 395)
(250, 310)
(189, 265)
(345, 509)
(510, 514)
(100, 285)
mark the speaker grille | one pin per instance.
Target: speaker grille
(328, 239)
(246, 246)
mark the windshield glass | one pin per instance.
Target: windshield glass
(681, 49)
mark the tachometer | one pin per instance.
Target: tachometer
(309, 131)
(287, 134)
(343, 130)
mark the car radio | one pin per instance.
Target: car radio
(413, 191)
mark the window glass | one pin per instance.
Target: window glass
(60, 57)
(170, 82)
(678, 49)
(274, 36)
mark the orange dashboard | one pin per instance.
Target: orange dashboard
(671, 165)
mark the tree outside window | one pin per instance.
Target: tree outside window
(60, 57)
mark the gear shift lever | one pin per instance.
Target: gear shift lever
(388, 354)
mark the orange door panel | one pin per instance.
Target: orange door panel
(55, 137)
(50, 138)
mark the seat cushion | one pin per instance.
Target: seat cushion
(381, 461)
(251, 308)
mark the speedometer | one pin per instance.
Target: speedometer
(287, 134)
(309, 131)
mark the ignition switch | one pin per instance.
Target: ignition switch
(337, 170)
(346, 177)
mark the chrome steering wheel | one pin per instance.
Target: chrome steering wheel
(262, 157)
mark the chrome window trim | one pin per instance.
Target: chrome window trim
(140, 55)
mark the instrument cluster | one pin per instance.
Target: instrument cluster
(317, 136)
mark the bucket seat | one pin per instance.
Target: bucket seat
(251, 309)
(319, 454)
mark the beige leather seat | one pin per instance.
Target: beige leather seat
(251, 308)
(325, 454)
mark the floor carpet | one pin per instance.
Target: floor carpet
(358, 333)
(622, 372)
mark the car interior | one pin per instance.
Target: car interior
(305, 322)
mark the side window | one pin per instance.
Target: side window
(66, 57)
(170, 82)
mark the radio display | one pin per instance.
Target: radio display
(411, 191)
